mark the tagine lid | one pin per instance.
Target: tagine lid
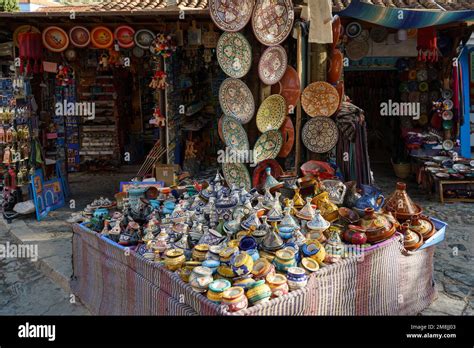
(307, 212)
(400, 203)
(372, 221)
(412, 240)
(423, 225)
(318, 222)
(272, 241)
(270, 181)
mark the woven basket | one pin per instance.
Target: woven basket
(402, 170)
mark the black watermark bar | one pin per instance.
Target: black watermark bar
(99, 330)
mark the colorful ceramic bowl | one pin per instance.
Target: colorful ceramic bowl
(320, 99)
(244, 281)
(125, 35)
(258, 292)
(55, 39)
(143, 38)
(79, 36)
(262, 268)
(102, 37)
(278, 284)
(242, 264)
(309, 264)
(234, 299)
(174, 259)
(268, 146)
(211, 264)
(216, 290)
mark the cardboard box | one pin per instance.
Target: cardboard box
(166, 173)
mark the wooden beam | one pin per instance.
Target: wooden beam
(299, 69)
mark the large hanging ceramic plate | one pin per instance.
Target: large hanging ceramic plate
(234, 134)
(320, 99)
(289, 87)
(231, 15)
(356, 50)
(272, 21)
(55, 39)
(143, 38)
(272, 65)
(234, 54)
(125, 36)
(268, 146)
(79, 36)
(236, 173)
(102, 37)
(287, 131)
(236, 100)
(23, 29)
(320, 134)
(271, 113)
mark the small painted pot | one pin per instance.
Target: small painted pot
(200, 278)
(284, 259)
(297, 278)
(247, 243)
(216, 289)
(278, 284)
(285, 232)
(244, 282)
(314, 249)
(225, 271)
(227, 254)
(242, 264)
(174, 259)
(200, 252)
(293, 247)
(310, 265)
(258, 292)
(234, 299)
(211, 264)
(184, 274)
(254, 254)
(261, 268)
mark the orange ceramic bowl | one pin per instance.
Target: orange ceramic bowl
(102, 37)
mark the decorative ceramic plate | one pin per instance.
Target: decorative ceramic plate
(272, 21)
(447, 94)
(138, 52)
(234, 54)
(448, 145)
(124, 36)
(23, 29)
(287, 131)
(356, 50)
(378, 34)
(79, 36)
(364, 36)
(320, 99)
(320, 134)
(272, 65)
(289, 87)
(231, 15)
(259, 174)
(353, 29)
(55, 39)
(143, 38)
(219, 128)
(102, 37)
(448, 104)
(236, 100)
(422, 75)
(268, 146)
(234, 134)
(271, 113)
(447, 115)
(236, 173)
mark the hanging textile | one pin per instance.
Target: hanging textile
(320, 16)
(427, 45)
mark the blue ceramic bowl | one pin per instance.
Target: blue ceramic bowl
(247, 243)
(169, 205)
(212, 264)
(254, 253)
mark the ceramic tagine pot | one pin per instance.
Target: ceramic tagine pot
(298, 201)
(401, 204)
(334, 248)
(411, 240)
(377, 226)
(355, 235)
(262, 230)
(424, 225)
(272, 241)
(371, 198)
(328, 209)
(307, 212)
(271, 183)
(317, 226)
(287, 225)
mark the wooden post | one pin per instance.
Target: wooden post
(299, 69)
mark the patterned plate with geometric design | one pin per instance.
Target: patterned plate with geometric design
(267, 146)
(272, 65)
(231, 15)
(271, 113)
(234, 54)
(320, 99)
(234, 134)
(236, 100)
(272, 21)
(236, 173)
(320, 134)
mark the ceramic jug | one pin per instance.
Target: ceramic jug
(371, 198)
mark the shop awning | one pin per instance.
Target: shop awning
(403, 18)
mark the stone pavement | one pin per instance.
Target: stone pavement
(454, 274)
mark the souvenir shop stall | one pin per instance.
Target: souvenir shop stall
(274, 242)
(416, 110)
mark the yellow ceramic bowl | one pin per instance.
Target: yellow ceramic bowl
(309, 264)
(233, 243)
(321, 254)
(225, 271)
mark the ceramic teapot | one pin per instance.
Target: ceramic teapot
(371, 198)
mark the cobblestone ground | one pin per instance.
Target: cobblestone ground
(23, 288)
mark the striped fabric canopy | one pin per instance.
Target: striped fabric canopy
(401, 18)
